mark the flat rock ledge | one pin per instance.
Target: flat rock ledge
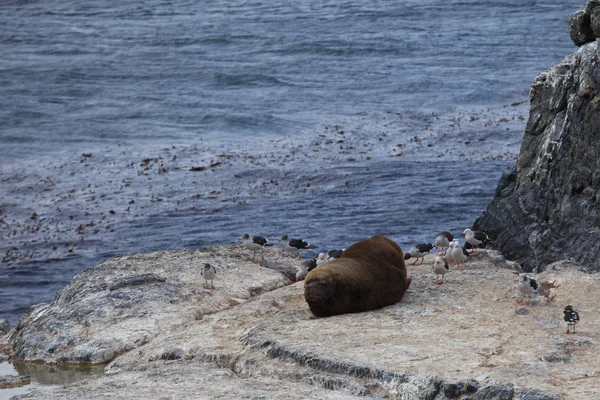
(466, 339)
(127, 301)
(11, 381)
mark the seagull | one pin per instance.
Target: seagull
(440, 267)
(255, 243)
(443, 239)
(321, 259)
(456, 253)
(209, 273)
(572, 318)
(418, 251)
(527, 286)
(294, 245)
(476, 238)
(304, 268)
(333, 254)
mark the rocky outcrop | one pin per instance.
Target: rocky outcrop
(465, 339)
(546, 208)
(125, 302)
(4, 326)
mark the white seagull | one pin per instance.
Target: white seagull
(476, 238)
(440, 267)
(209, 273)
(442, 240)
(321, 259)
(456, 253)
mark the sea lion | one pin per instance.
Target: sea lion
(369, 274)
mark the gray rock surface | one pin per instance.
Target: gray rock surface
(4, 326)
(593, 10)
(546, 208)
(464, 339)
(10, 381)
(125, 302)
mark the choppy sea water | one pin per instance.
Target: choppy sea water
(151, 125)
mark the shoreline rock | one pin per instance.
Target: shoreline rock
(465, 339)
(547, 207)
(125, 302)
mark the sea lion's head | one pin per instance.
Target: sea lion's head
(319, 295)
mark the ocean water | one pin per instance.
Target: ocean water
(146, 125)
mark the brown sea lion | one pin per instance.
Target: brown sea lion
(370, 274)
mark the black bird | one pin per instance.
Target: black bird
(572, 318)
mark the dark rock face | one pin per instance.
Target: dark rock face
(546, 208)
(580, 29)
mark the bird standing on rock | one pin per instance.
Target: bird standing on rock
(442, 240)
(456, 253)
(571, 317)
(418, 251)
(440, 267)
(333, 254)
(305, 267)
(294, 245)
(476, 238)
(528, 287)
(321, 259)
(209, 273)
(255, 243)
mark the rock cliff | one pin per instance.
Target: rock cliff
(546, 208)
(466, 339)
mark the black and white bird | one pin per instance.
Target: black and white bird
(442, 240)
(304, 268)
(476, 238)
(333, 254)
(571, 318)
(255, 243)
(294, 245)
(209, 273)
(528, 287)
(440, 267)
(418, 251)
(456, 254)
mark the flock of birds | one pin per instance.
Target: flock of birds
(452, 253)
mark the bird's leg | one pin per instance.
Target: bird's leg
(520, 301)
(415, 261)
(422, 260)
(262, 253)
(253, 254)
(298, 254)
